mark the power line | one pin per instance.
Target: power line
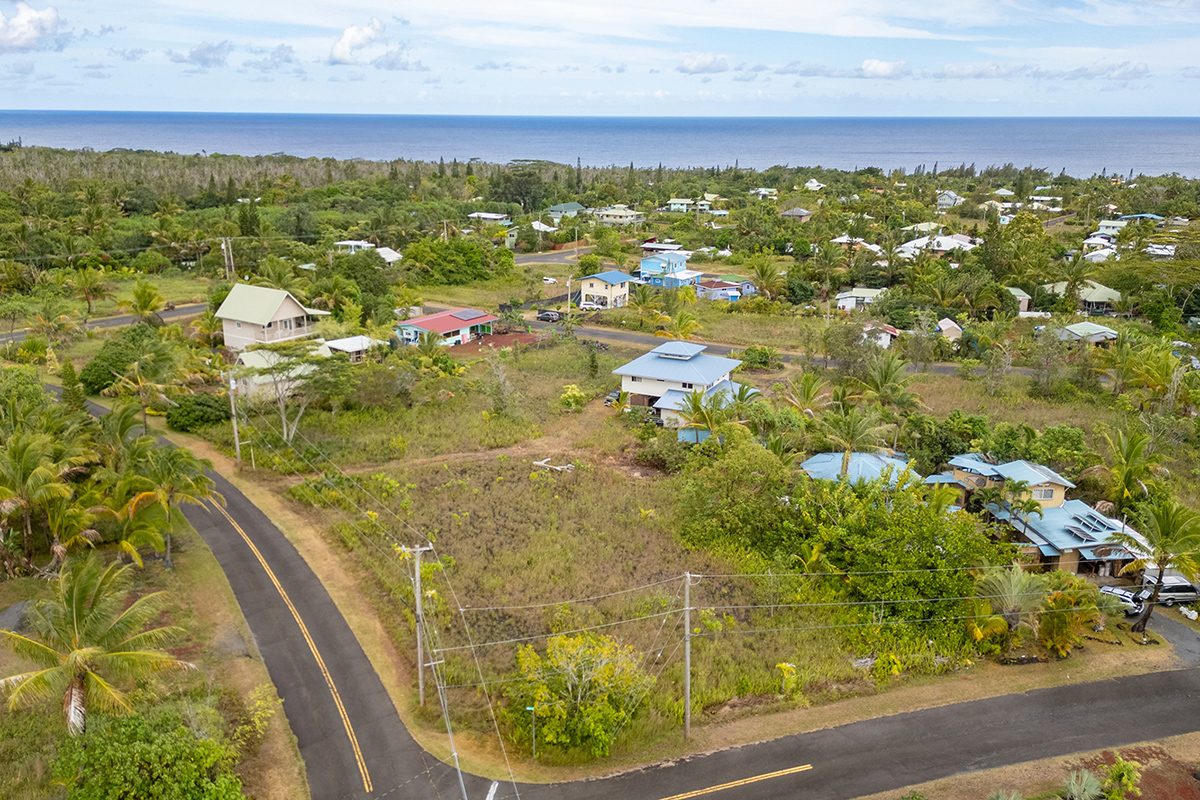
(576, 600)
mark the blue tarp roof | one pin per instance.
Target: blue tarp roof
(863, 466)
(611, 276)
(664, 363)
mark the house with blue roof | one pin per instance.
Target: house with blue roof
(606, 289)
(1067, 534)
(863, 467)
(661, 379)
(668, 269)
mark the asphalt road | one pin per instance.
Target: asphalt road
(113, 322)
(353, 742)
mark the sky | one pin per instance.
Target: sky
(607, 57)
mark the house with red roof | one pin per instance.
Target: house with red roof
(453, 326)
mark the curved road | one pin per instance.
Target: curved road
(355, 746)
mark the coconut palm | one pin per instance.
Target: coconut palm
(279, 274)
(806, 394)
(170, 476)
(29, 480)
(1014, 595)
(1132, 466)
(1169, 538)
(85, 640)
(90, 286)
(645, 302)
(886, 383)
(333, 292)
(681, 326)
(704, 412)
(765, 276)
(69, 521)
(151, 376)
(852, 430)
(1075, 273)
(208, 327)
(145, 303)
(120, 442)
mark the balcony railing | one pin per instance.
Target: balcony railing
(283, 334)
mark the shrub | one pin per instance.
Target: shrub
(194, 411)
(131, 758)
(102, 371)
(759, 357)
(572, 398)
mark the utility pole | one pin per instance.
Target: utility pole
(416, 554)
(687, 655)
(237, 442)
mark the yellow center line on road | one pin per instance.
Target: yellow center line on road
(337, 700)
(743, 782)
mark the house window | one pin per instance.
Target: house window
(1043, 494)
(687, 386)
(239, 324)
(634, 379)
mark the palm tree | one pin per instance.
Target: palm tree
(1014, 595)
(29, 481)
(84, 639)
(145, 303)
(1075, 274)
(174, 475)
(784, 448)
(333, 292)
(208, 327)
(886, 383)
(70, 524)
(739, 402)
(1132, 466)
(681, 326)
(279, 275)
(1169, 538)
(119, 442)
(90, 286)
(765, 276)
(852, 431)
(704, 412)
(150, 377)
(806, 394)
(645, 302)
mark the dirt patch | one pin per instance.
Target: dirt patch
(490, 343)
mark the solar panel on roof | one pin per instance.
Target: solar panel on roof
(467, 314)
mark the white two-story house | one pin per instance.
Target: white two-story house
(254, 315)
(662, 378)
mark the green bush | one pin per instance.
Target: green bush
(114, 358)
(132, 758)
(102, 371)
(194, 411)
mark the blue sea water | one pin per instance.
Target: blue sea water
(1081, 146)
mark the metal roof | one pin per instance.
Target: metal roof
(1072, 526)
(674, 398)
(612, 276)
(446, 321)
(353, 344)
(863, 466)
(1031, 473)
(257, 305)
(468, 314)
(674, 365)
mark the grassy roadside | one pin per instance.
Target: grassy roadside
(217, 640)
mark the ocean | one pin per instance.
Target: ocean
(1080, 146)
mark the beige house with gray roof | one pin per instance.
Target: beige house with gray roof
(254, 315)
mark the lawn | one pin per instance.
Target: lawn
(781, 332)
(178, 289)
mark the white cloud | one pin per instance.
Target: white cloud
(354, 38)
(279, 57)
(871, 68)
(97, 74)
(203, 55)
(991, 70)
(874, 68)
(21, 67)
(702, 63)
(29, 29)
(398, 61)
(131, 54)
